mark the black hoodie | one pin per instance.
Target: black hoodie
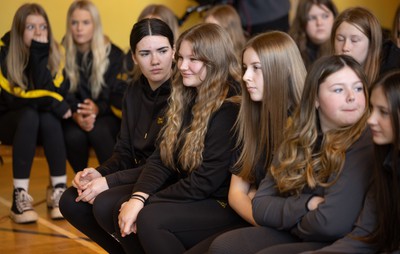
(44, 92)
(142, 119)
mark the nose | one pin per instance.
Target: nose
(246, 76)
(346, 46)
(318, 21)
(154, 59)
(182, 64)
(350, 96)
(372, 119)
(38, 31)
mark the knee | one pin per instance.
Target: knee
(149, 217)
(67, 202)
(73, 134)
(220, 245)
(30, 117)
(49, 121)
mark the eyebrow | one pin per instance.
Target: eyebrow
(147, 50)
(341, 83)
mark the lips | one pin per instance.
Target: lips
(155, 71)
(250, 89)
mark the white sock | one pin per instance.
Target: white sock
(21, 183)
(58, 179)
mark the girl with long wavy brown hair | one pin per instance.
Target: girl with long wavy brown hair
(378, 226)
(180, 197)
(315, 188)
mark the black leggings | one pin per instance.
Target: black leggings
(261, 240)
(164, 227)
(24, 129)
(102, 138)
(81, 216)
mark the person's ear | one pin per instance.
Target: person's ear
(133, 57)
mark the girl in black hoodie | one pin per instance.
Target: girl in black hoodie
(31, 107)
(143, 109)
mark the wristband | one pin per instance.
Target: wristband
(138, 196)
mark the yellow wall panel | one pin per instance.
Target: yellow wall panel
(118, 16)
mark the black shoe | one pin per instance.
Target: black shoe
(22, 210)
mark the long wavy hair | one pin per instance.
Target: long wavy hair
(260, 125)
(298, 165)
(211, 44)
(369, 25)
(387, 189)
(229, 19)
(100, 48)
(299, 25)
(18, 54)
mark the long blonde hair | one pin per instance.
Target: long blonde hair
(260, 125)
(100, 47)
(211, 45)
(18, 54)
(298, 165)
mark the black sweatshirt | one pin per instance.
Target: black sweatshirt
(210, 180)
(142, 119)
(43, 92)
(365, 224)
(83, 91)
(333, 218)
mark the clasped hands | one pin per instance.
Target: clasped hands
(86, 114)
(89, 183)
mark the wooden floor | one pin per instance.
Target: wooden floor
(47, 235)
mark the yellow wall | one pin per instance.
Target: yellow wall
(118, 16)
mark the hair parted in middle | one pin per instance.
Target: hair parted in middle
(18, 54)
(100, 47)
(148, 27)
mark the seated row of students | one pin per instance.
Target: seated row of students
(174, 201)
(67, 108)
(190, 170)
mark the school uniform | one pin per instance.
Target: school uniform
(286, 221)
(33, 115)
(143, 116)
(365, 224)
(191, 205)
(102, 136)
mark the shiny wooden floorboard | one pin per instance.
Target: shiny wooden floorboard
(47, 235)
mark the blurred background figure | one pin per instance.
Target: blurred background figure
(311, 28)
(92, 66)
(227, 17)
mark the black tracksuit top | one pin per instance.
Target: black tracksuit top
(44, 92)
(142, 119)
(210, 180)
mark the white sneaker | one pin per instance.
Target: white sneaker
(53, 199)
